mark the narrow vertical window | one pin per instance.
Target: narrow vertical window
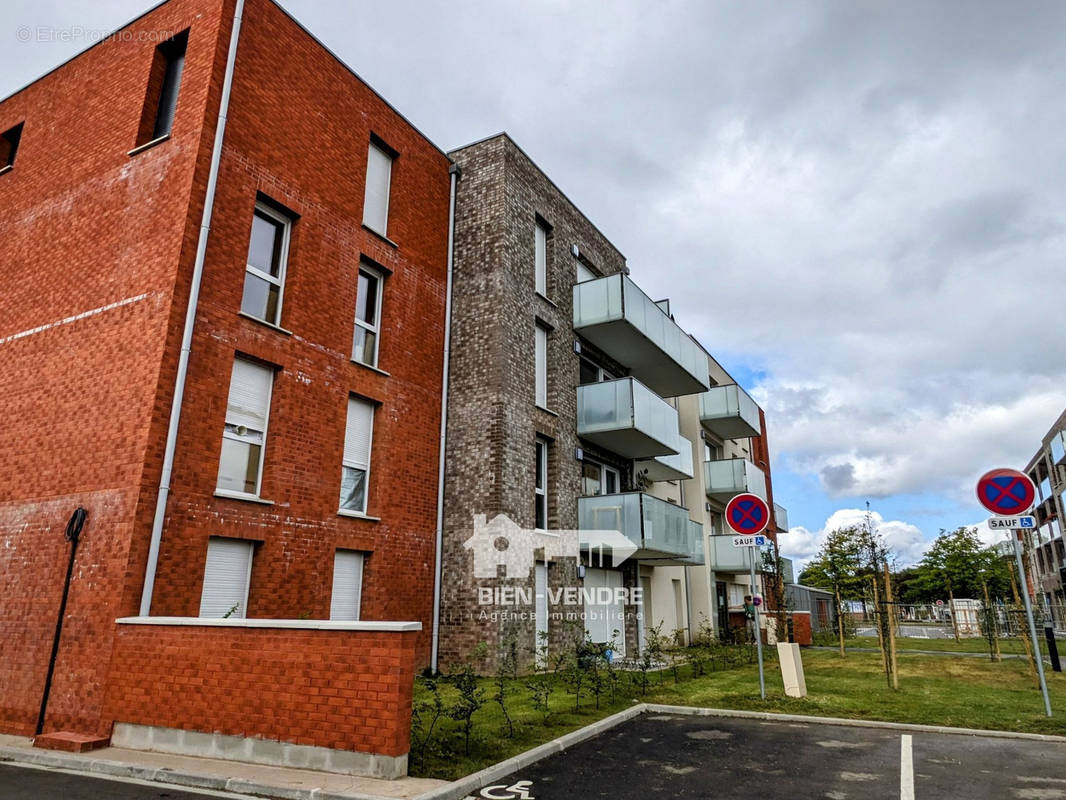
(541, 367)
(367, 316)
(378, 181)
(355, 473)
(540, 514)
(226, 577)
(244, 437)
(584, 273)
(9, 145)
(164, 83)
(268, 253)
(347, 585)
(541, 258)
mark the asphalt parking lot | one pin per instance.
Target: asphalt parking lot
(744, 759)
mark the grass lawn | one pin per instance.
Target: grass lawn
(934, 690)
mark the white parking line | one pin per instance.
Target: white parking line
(906, 768)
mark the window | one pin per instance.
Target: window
(164, 81)
(268, 251)
(711, 451)
(347, 585)
(355, 473)
(540, 512)
(378, 180)
(598, 478)
(367, 316)
(541, 258)
(244, 437)
(226, 577)
(592, 373)
(9, 145)
(541, 397)
(584, 273)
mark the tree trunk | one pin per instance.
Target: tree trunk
(990, 621)
(879, 616)
(840, 619)
(891, 611)
(951, 608)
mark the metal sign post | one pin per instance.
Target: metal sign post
(1009, 494)
(748, 515)
(758, 635)
(1029, 614)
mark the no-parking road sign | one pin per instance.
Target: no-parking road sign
(747, 513)
(1006, 492)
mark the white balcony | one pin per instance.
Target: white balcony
(616, 316)
(659, 530)
(726, 558)
(781, 517)
(1058, 447)
(676, 467)
(627, 418)
(728, 477)
(729, 413)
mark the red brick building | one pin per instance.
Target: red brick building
(304, 481)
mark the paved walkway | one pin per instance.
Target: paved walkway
(209, 773)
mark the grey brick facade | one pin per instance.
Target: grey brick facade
(493, 421)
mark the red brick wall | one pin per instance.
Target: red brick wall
(347, 690)
(298, 131)
(86, 228)
(84, 404)
(801, 628)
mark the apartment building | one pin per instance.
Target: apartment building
(1046, 552)
(726, 432)
(576, 403)
(222, 336)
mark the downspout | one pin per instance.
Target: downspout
(190, 321)
(455, 172)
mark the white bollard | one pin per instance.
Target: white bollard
(792, 669)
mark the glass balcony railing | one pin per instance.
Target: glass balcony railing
(781, 517)
(616, 316)
(727, 477)
(729, 412)
(676, 467)
(627, 418)
(658, 529)
(726, 558)
(696, 543)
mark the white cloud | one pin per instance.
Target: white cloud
(906, 542)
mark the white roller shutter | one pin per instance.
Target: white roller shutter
(541, 259)
(376, 199)
(542, 367)
(358, 433)
(249, 394)
(226, 574)
(347, 585)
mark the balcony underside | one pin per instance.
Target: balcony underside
(624, 342)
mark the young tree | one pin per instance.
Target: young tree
(837, 569)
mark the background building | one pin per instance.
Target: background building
(304, 481)
(1046, 553)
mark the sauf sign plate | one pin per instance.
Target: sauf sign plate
(749, 541)
(996, 523)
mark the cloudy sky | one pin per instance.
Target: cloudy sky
(859, 207)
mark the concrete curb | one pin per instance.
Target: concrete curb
(118, 769)
(472, 783)
(768, 716)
